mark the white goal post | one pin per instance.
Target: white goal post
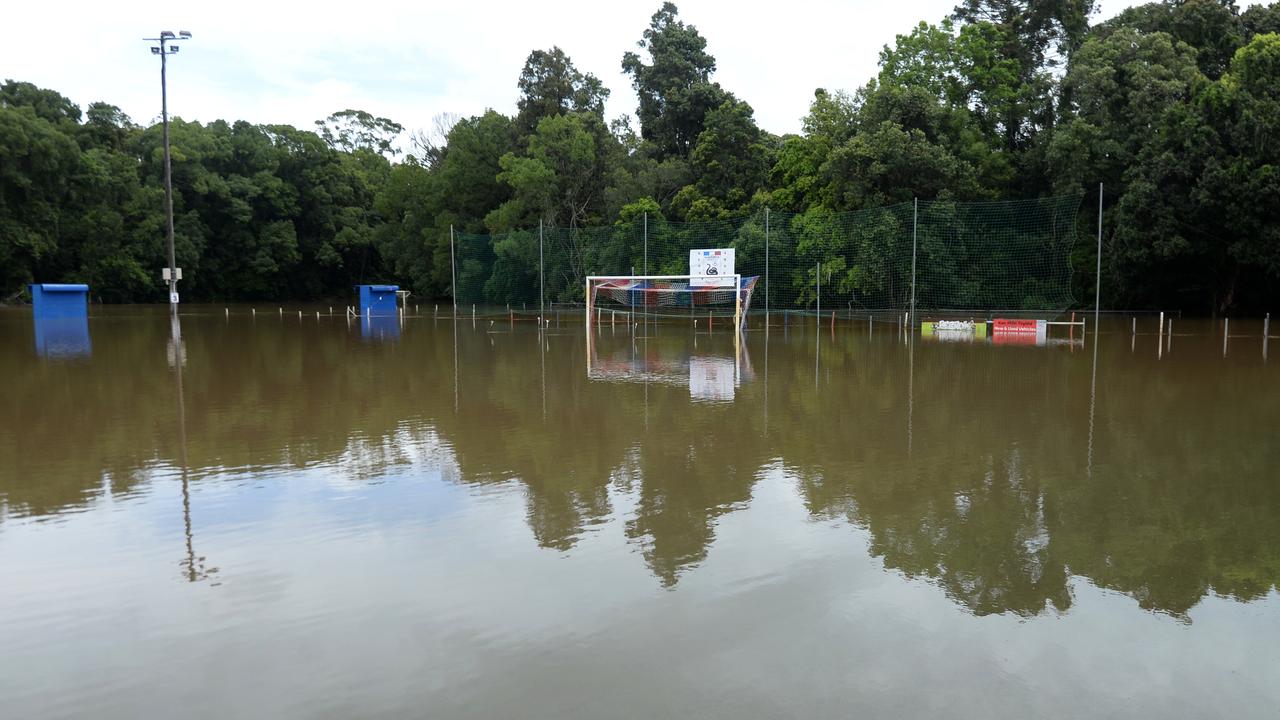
(653, 292)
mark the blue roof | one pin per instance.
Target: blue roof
(62, 287)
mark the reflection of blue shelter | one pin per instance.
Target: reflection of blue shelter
(61, 319)
(377, 300)
(379, 327)
(60, 300)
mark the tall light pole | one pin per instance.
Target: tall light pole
(164, 50)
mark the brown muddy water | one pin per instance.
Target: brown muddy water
(307, 518)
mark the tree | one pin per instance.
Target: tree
(105, 126)
(729, 164)
(351, 130)
(46, 104)
(1213, 28)
(675, 87)
(1120, 86)
(407, 235)
(429, 144)
(470, 168)
(1033, 36)
(551, 85)
(38, 164)
(1244, 108)
(558, 179)
(1037, 32)
(1189, 224)
(889, 164)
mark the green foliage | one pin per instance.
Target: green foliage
(558, 177)
(729, 160)
(551, 85)
(675, 87)
(352, 130)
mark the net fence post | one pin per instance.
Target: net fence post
(587, 316)
(542, 281)
(766, 269)
(737, 328)
(817, 274)
(915, 223)
(737, 300)
(453, 274)
(1097, 290)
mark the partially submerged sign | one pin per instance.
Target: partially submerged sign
(1019, 331)
(711, 268)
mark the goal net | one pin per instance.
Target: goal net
(673, 296)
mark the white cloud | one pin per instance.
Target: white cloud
(294, 64)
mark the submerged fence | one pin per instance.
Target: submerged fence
(925, 256)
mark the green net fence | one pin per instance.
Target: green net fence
(938, 256)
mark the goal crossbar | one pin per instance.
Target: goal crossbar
(641, 286)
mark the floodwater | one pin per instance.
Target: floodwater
(306, 518)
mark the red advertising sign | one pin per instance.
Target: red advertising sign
(1018, 331)
(1015, 325)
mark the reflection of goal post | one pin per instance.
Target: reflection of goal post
(669, 295)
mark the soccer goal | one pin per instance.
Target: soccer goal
(611, 298)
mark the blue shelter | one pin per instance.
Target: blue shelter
(63, 337)
(57, 300)
(378, 300)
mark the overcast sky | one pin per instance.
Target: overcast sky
(409, 61)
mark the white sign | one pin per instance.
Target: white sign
(173, 298)
(164, 273)
(713, 268)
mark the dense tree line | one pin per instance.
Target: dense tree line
(1175, 106)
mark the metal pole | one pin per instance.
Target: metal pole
(168, 177)
(766, 269)
(737, 316)
(646, 272)
(1160, 338)
(915, 221)
(818, 275)
(1266, 335)
(453, 275)
(1097, 290)
(541, 278)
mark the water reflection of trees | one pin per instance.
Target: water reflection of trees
(990, 499)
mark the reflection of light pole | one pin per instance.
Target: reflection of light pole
(164, 50)
(193, 566)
